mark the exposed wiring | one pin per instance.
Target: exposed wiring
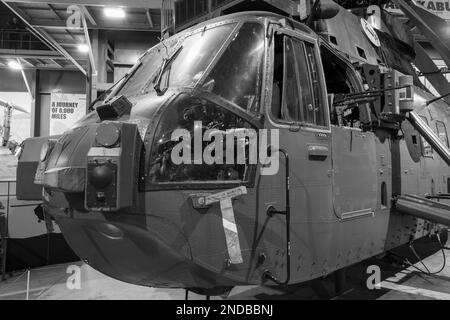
(438, 98)
(427, 270)
(411, 246)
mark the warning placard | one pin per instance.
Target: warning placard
(65, 111)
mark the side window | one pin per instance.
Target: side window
(442, 132)
(427, 150)
(340, 80)
(319, 114)
(296, 85)
(297, 93)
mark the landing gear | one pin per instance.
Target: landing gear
(443, 234)
(186, 296)
(219, 291)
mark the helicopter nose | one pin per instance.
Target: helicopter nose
(111, 163)
(149, 253)
(98, 160)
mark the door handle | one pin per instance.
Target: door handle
(318, 152)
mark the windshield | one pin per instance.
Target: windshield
(237, 76)
(186, 69)
(236, 71)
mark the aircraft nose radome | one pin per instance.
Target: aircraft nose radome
(135, 254)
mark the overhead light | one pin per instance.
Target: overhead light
(83, 47)
(114, 13)
(15, 65)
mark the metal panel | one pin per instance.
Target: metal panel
(429, 135)
(355, 181)
(347, 30)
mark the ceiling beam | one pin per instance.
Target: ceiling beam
(34, 54)
(62, 51)
(41, 34)
(25, 80)
(87, 14)
(44, 67)
(88, 42)
(149, 18)
(55, 12)
(26, 61)
(62, 19)
(55, 63)
(54, 24)
(146, 4)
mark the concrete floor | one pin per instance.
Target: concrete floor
(397, 283)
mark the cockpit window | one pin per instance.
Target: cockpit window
(146, 70)
(196, 54)
(237, 76)
(198, 143)
(197, 51)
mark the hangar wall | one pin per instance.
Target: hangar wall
(48, 81)
(54, 81)
(12, 80)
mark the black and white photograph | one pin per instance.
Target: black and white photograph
(221, 157)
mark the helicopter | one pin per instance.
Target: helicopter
(358, 169)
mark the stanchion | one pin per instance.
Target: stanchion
(28, 284)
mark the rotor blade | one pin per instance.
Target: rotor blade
(5, 104)
(431, 26)
(433, 74)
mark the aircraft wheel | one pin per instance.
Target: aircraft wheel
(219, 291)
(443, 234)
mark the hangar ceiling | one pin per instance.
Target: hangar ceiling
(47, 22)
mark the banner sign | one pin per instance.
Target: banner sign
(65, 111)
(439, 8)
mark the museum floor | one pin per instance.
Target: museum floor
(49, 283)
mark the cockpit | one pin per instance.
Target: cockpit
(225, 59)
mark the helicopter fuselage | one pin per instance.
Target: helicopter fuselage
(128, 211)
